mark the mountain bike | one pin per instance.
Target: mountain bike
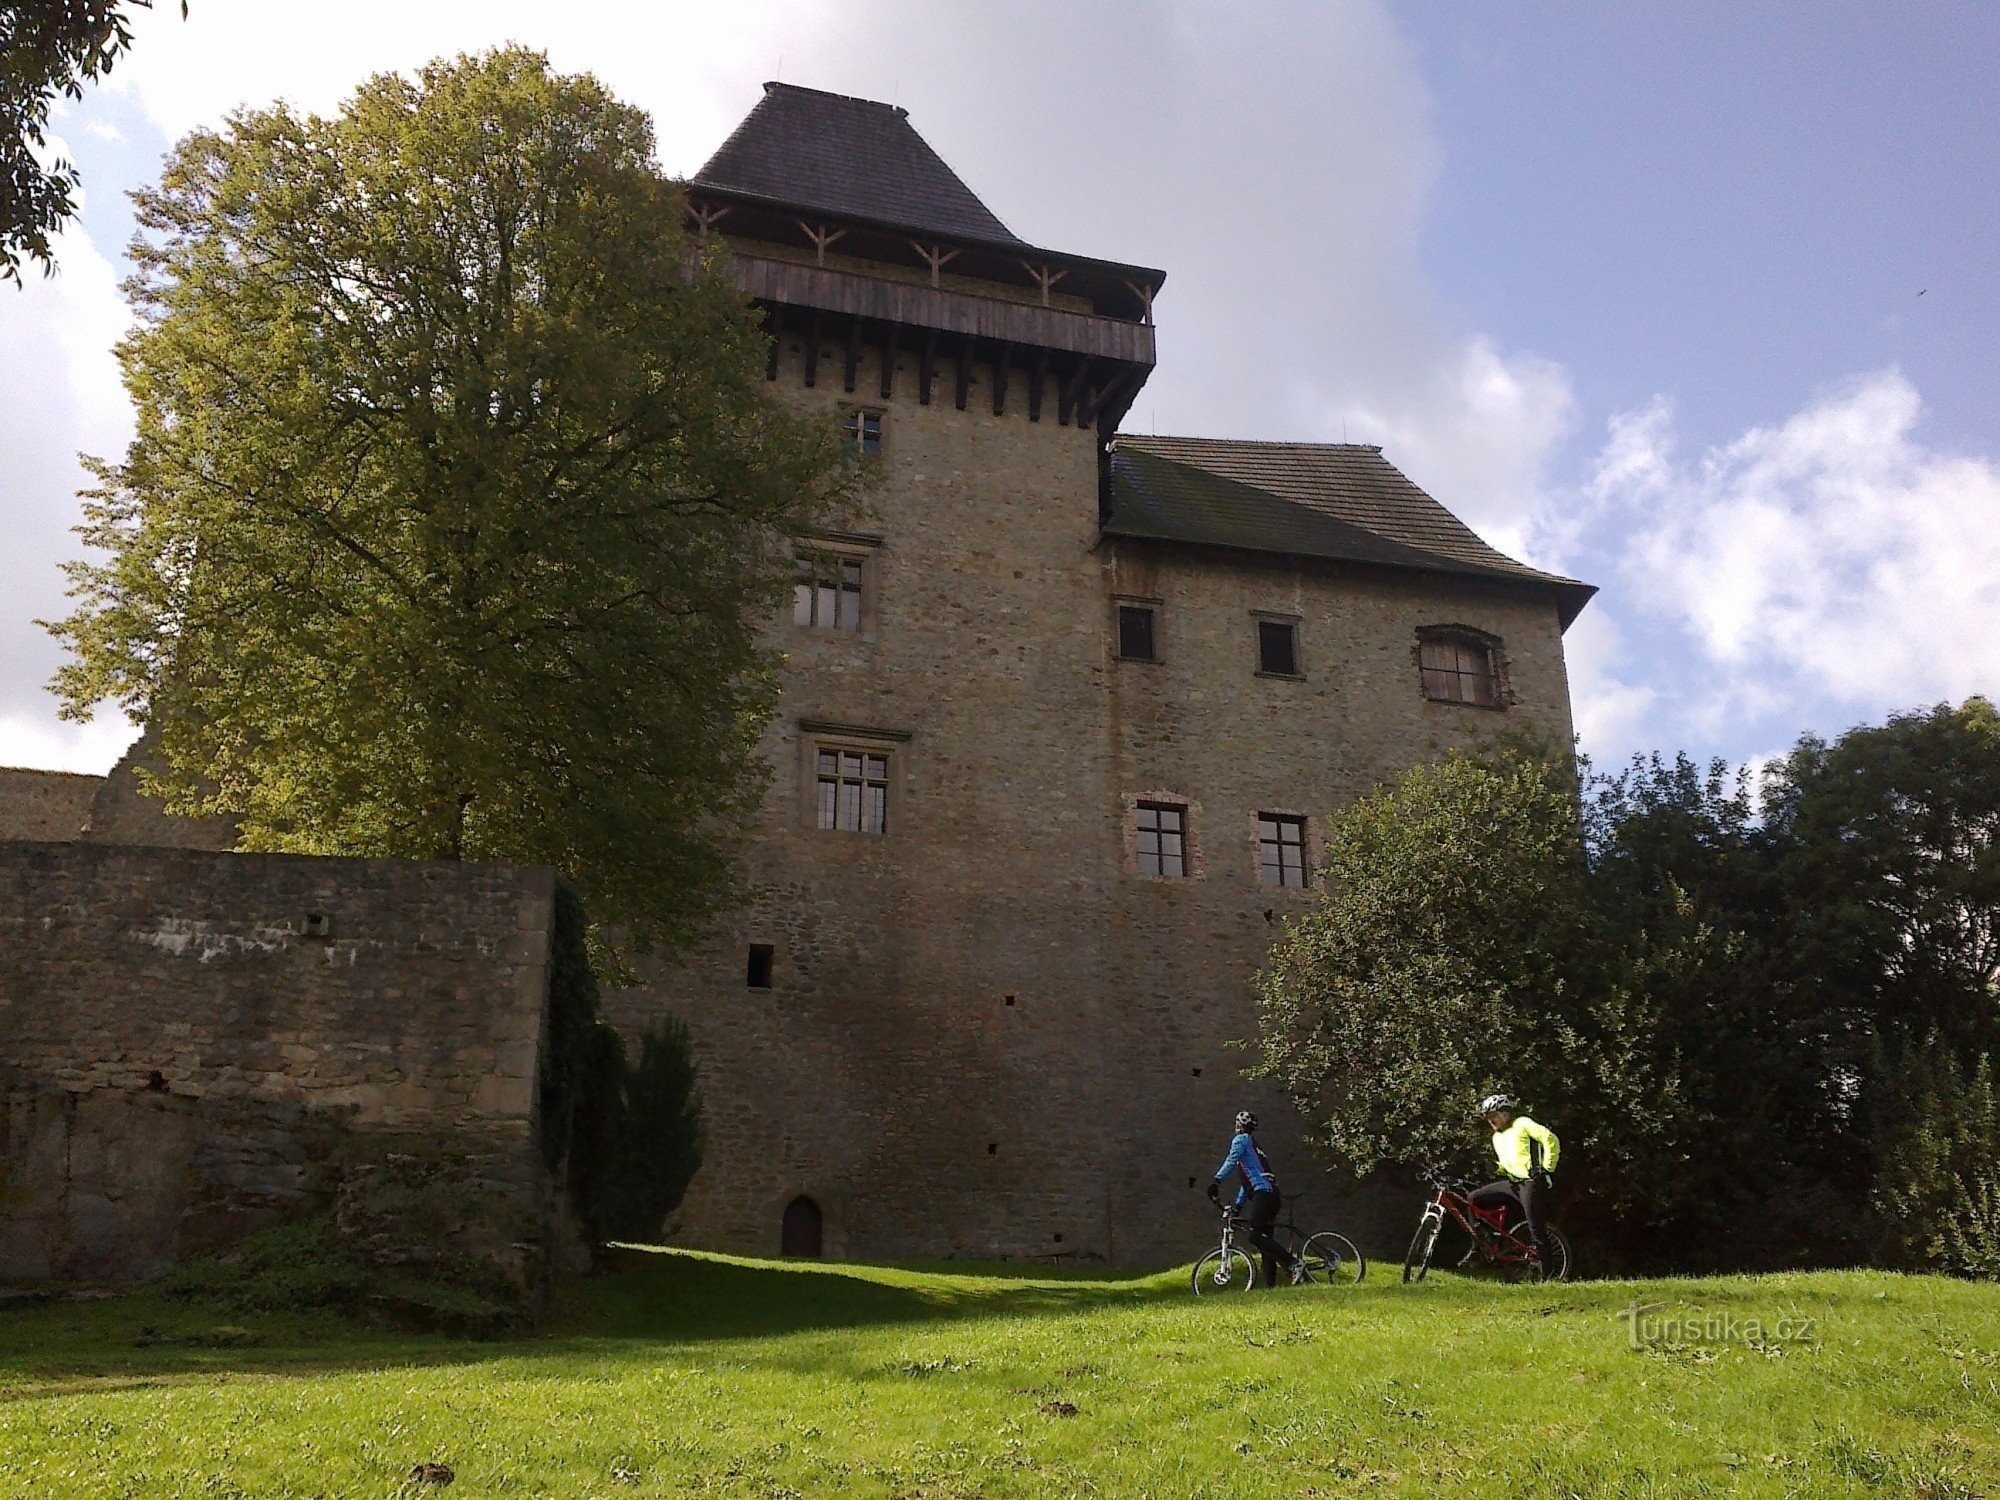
(1495, 1245)
(1330, 1259)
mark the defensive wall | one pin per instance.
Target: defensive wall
(195, 1044)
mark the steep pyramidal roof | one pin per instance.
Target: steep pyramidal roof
(853, 158)
(1341, 501)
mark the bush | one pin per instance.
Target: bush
(1937, 1176)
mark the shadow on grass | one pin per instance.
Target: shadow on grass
(643, 1296)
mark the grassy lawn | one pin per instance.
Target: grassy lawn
(699, 1374)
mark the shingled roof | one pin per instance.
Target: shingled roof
(1337, 501)
(852, 158)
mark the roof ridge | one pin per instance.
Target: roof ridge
(771, 84)
(1256, 442)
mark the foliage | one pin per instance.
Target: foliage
(686, 1374)
(1451, 952)
(1938, 1179)
(1889, 842)
(627, 1137)
(458, 499)
(48, 48)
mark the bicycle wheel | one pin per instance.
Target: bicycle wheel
(1332, 1260)
(1418, 1260)
(1230, 1270)
(1558, 1268)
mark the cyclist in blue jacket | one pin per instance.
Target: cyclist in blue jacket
(1259, 1187)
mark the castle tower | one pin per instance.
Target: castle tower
(1062, 722)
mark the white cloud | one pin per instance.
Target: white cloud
(1611, 712)
(63, 396)
(1275, 160)
(1832, 556)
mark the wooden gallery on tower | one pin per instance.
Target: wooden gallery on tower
(1059, 735)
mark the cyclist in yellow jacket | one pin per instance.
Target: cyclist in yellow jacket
(1527, 1152)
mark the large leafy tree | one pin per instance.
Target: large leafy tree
(458, 498)
(48, 49)
(1451, 952)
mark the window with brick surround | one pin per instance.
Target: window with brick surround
(826, 590)
(1162, 839)
(1281, 850)
(862, 429)
(1138, 640)
(853, 790)
(1278, 648)
(1459, 666)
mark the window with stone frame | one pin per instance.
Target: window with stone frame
(1281, 850)
(1161, 830)
(853, 789)
(1138, 632)
(1277, 647)
(827, 589)
(1460, 666)
(861, 428)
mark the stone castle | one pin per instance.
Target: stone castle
(1061, 728)
(1063, 721)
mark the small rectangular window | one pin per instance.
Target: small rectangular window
(762, 956)
(1281, 849)
(1162, 831)
(853, 791)
(1278, 648)
(826, 592)
(1135, 633)
(1459, 669)
(863, 431)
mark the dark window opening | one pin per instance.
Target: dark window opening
(1162, 830)
(992, 1148)
(863, 430)
(1010, 999)
(1278, 648)
(826, 591)
(853, 791)
(1281, 850)
(761, 958)
(1458, 669)
(1135, 633)
(804, 1229)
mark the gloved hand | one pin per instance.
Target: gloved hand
(1545, 1179)
(1214, 1191)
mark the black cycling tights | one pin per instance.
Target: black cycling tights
(1526, 1196)
(1262, 1214)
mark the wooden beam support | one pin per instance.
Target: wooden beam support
(889, 360)
(853, 353)
(964, 372)
(1098, 401)
(936, 257)
(812, 347)
(1000, 364)
(1069, 390)
(707, 216)
(821, 237)
(1037, 377)
(927, 368)
(1045, 277)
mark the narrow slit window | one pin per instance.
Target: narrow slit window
(762, 956)
(853, 791)
(1281, 850)
(1135, 633)
(1278, 648)
(1162, 833)
(826, 591)
(863, 431)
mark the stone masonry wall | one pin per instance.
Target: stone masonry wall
(45, 804)
(196, 1044)
(986, 1034)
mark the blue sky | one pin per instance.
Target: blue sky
(1634, 289)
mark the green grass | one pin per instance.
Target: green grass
(699, 1374)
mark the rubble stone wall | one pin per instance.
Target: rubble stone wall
(194, 1044)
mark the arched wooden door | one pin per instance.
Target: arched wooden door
(802, 1229)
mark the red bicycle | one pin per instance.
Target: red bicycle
(1495, 1243)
